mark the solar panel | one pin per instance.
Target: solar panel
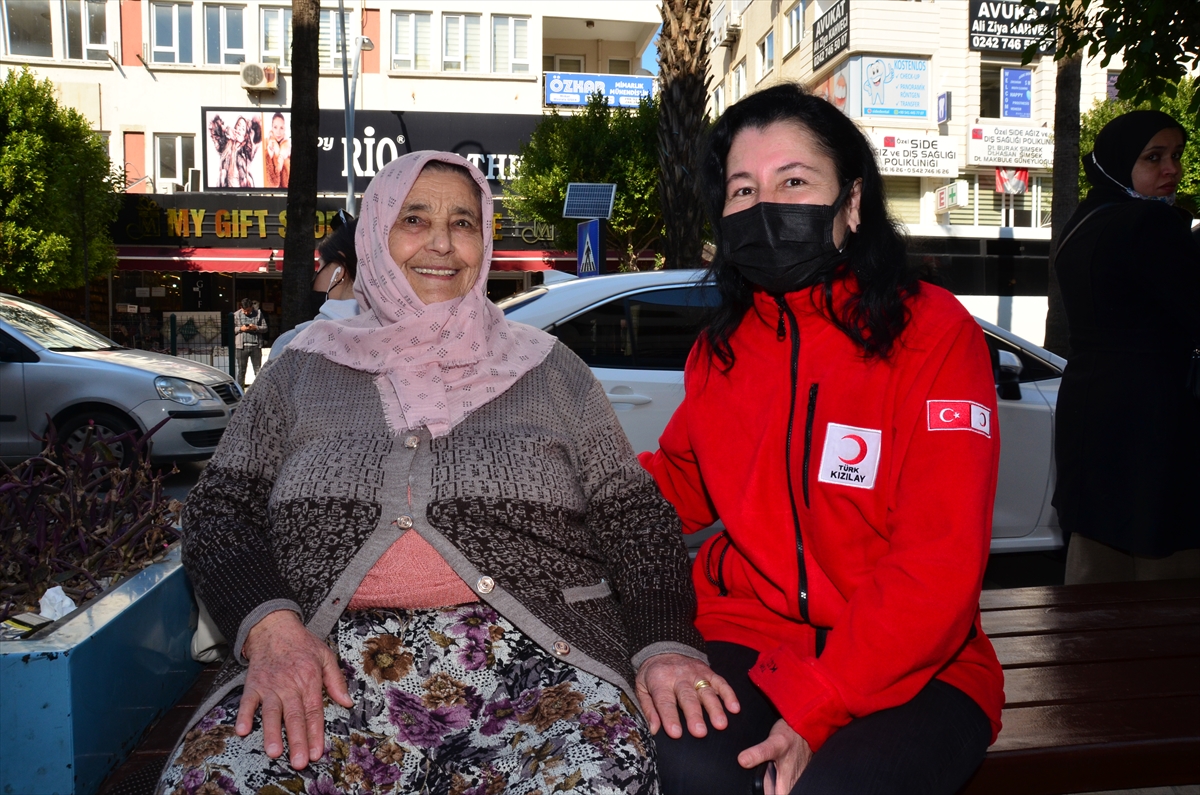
(589, 200)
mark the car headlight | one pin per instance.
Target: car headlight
(188, 393)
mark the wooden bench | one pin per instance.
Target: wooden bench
(1102, 686)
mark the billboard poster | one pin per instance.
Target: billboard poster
(1010, 145)
(1010, 27)
(572, 88)
(831, 34)
(247, 149)
(1016, 93)
(906, 153)
(897, 87)
(841, 89)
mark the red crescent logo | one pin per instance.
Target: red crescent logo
(862, 450)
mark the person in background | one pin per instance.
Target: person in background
(855, 479)
(1127, 435)
(250, 329)
(332, 295)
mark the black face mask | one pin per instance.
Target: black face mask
(782, 247)
(316, 299)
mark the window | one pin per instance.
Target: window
(171, 29)
(793, 27)
(718, 101)
(460, 43)
(277, 36)
(28, 24)
(87, 30)
(989, 92)
(223, 39)
(653, 330)
(766, 55)
(739, 81)
(568, 63)
(618, 66)
(547, 63)
(510, 44)
(331, 45)
(410, 41)
(175, 154)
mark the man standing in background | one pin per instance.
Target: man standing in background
(250, 326)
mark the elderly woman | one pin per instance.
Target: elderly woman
(1129, 459)
(431, 514)
(855, 483)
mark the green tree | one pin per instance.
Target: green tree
(683, 73)
(598, 144)
(1175, 103)
(58, 191)
(1158, 41)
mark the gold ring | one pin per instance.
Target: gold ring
(701, 684)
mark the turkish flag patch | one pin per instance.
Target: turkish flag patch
(960, 415)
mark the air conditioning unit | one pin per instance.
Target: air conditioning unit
(733, 26)
(260, 76)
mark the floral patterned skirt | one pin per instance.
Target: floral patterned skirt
(450, 700)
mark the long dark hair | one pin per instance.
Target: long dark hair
(875, 314)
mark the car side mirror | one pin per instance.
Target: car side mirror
(1008, 375)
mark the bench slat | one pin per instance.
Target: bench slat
(1045, 620)
(1108, 681)
(1098, 646)
(1092, 593)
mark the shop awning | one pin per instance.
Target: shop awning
(270, 260)
(211, 260)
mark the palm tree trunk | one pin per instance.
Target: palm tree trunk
(302, 185)
(683, 92)
(1066, 191)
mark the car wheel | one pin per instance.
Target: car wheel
(106, 426)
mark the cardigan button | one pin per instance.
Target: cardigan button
(404, 522)
(485, 585)
(562, 648)
(412, 442)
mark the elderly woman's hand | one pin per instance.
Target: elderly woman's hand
(288, 666)
(666, 683)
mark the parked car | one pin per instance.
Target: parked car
(635, 330)
(52, 368)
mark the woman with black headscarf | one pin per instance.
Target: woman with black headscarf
(1128, 427)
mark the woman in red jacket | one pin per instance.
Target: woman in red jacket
(840, 420)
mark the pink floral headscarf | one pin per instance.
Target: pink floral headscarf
(434, 363)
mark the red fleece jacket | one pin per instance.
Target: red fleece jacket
(892, 475)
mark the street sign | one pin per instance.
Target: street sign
(956, 194)
(943, 109)
(588, 251)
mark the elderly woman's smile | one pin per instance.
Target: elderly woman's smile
(437, 240)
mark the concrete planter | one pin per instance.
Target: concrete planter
(75, 699)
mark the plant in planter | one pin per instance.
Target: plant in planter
(75, 518)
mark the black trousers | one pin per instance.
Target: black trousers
(931, 745)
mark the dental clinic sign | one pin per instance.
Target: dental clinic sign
(572, 88)
(1011, 146)
(903, 153)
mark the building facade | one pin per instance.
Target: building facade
(193, 97)
(963, 132)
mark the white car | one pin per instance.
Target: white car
(635, 330)
(52, 368)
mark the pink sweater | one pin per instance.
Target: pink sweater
(411, 574)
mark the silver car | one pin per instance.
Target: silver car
(635, 330)
(52, 368)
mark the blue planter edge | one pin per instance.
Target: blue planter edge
(77, 697)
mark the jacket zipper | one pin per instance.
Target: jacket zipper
(785, 311)
(808, 429)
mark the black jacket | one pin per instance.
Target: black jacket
(1127, 434)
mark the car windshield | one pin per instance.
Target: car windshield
(50, 329)
(520, 299)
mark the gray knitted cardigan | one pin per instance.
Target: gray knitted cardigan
(536, 500)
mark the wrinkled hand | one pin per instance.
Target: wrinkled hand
(666, 684)
(787, 749)
(288, 666)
